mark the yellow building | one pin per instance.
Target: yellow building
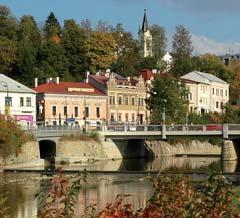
(126, 97)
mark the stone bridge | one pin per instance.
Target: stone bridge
(228, 132)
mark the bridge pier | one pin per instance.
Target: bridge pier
(229, 152)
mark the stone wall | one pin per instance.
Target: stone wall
(29, 152)
(163, 148)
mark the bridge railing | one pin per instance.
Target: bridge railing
(233, 127)
(55, 128)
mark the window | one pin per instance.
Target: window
(226, 93)
(140, 101)
(8, 101)
(133, 117)
(97, 112)
(65, 110)
(126, 100)
(86, 112)
(221, 105)
(112, 117)
(21, 101)
(133, 101)
(217, 92)
(112, 100)
(221, 92)
(76, 111)
(119, 117)
(119, 100)
(54, 110)
(213, 91)
(126, 117)
(29, 101)
(54, 123)
(216, 104)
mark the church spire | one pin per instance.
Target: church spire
(145, 22)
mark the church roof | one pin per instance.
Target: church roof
(145, 22)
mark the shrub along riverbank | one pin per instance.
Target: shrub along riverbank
(12, 137)
(175, 196)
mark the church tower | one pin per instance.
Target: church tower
(145, 38)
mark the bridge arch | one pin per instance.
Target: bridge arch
(47, 149)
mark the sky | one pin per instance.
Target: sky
(213, 24)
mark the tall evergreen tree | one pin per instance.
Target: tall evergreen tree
(29, 41)
(159, 41)
(73, 42)
(52, 62)
(181, 51)
(52, 27)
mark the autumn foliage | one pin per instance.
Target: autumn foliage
(11, 137)
(174, 196)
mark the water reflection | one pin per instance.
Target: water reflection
(103, 188)
(161, 164)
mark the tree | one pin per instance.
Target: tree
(181, 51)
(86, 26)
(52, 62)
(147, 63)
(8, 55)
(103, 26)
(29, 42)
(100, 50)
(28, 30)
(73, 42)
(8, 24)
(159, 40)
(126, 51)
(169, 95)
(52, 27)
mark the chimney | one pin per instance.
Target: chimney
(108, 71)
(87, 76)
(57, 79)
(35, 82)
(50, 79)
(128, 79)
(47, 80)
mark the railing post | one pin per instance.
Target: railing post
(125, 128)
(164, 131)
(225, 131)
(145, 129)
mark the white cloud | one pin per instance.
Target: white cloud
(203, 45)
(203, 6)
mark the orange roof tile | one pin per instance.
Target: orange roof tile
(69, 88)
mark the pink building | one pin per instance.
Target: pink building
(70, 103)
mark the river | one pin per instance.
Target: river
(121, 176)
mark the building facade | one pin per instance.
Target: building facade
(17, 101)
(145, 38)
(70, 103)
(126, 97)
(207, 94)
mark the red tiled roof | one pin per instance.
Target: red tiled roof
(147, 74)
(120, 81)
(71, 88)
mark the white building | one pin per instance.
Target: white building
(167, 58)
(208, 93)
(17, 101)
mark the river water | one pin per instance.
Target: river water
(121, 176)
